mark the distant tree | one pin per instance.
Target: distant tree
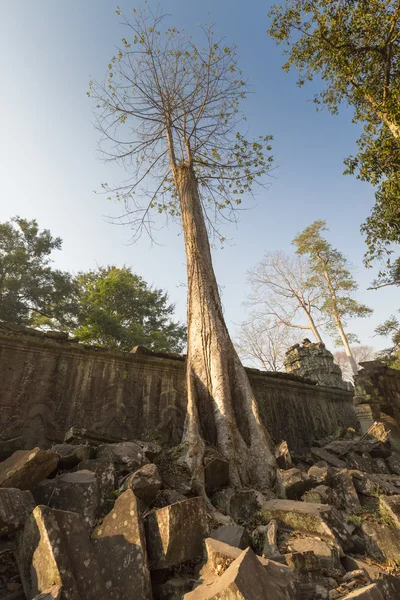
(119, 310)
(168, 111)
(391, 327)
(354, 49)
(360, 354)
(32, 292)
(264, 344)
(331, 275)
(284, 293)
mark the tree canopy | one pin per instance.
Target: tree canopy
(354, 49)
(118, 309)
(32, 292)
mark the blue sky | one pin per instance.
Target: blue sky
(49, 167)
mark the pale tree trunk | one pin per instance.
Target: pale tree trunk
(339, 325)
(221, 410)
(313, 326)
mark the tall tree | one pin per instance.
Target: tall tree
(117, 309)
(354, 48)
(32, 292)
(283, 291)
(332, 276)
(263, 344)
(391, 327)
(168, 111)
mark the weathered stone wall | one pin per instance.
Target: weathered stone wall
(48, 385)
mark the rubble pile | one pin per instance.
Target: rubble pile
(97, 518)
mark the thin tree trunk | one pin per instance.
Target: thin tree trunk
(222, 410)
(313, 326)
(339, 325)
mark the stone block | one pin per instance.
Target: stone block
(315, 519)
(270, 546)
(369, 484)
(327, 552)
(233, 535)
(344, 487)
(126, 456)
(370, 592)
(388, 585)
(76, 492)
(53, 593)
(216, 475)
(283, 456)
(176, 532)
(382, 541)
(291, 483)
(15, 507)
(380, 466)
(244, 579)
(42, 559)
(105, 475)
(166, 497)
(145, 483)
(390, 506)
(238, 504)
(331, 459)
(120, 546)
(394, 463)
(360, 462)
(80, 435)
(322, 494)
(175, 588)
(26, 468)
(319, 475)
(70, 455)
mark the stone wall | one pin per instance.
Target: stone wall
(48, 384)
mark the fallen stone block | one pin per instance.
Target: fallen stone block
(53, 593)
(126, 456)
(369, 484)
(216, 475)
(105, 475)
(393, 462)
(270, 546)
(145, 483)
(238, 504)
(283, 456)
(327, 552)
(26, 468)
(329, 458)
(291, 483)
(303, 562)
(79, 435)
(245, 578)
(82, 560)
(15, 507)
(370, 592)
(322, 494)
(42, 559)
(233, 535)
(70, 455)
(175, 533)
(76, 492)
(343, 485)
(120, 546)
(360, 463)
(388, 585)
(315, 519)
(319, 475)
(382, 541)
(380, 466)
(390, 506)
(219, 555)
(175, 588)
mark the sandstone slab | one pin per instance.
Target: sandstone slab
(382, 541)
(370, 592)
(369, 484)
(70, 455)
(105, 475)
(390, 505)
(120, 546)
(319, 475)
(327, 552)
(145, 483)
(315, 519)
(344, 487)
(26, 468)
(322, 494)
(15, 507)
(388, 585)
(246, 579)
(291, 483)
(270, 546)
(233, 535)
(176, 532)
(238, 504)
(126, 456)
(394, 463)
(77, 492)
(283, 456)
(329, 458)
